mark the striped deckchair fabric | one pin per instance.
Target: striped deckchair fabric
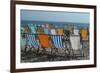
(60, 31)
(57, 41)
(44, 40)
(32, 40)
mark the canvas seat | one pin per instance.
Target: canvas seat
(23, 43)
(46, 31)
(40, 30)
(60, 31)
(32, 28)
(32, 41)
(59, 45)
(26, 30)
(45, 41)
(53, 31)
(84, 34)
(57, 37)
(76, 46)
(57, 41)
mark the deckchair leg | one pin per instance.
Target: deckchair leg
(25, 49)
(72, 55)
(51, 51)
(67, 54)
(43, 50)
(37, 51)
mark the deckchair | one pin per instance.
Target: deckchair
(53, 31)
(60, 31)
(45, 42)
(26, 29)
(33, 41)
(58, 43)
(57, 36)
(33, 28)
(84, 33)
(46, 31)
(76, 46)
(39, 30)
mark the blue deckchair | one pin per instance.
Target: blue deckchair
(58, 41)
(32, 40)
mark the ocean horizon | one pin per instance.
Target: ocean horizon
(60, 24)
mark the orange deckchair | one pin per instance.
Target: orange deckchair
(60, 31)
(70, 28)
(44, 40)
(84, 34)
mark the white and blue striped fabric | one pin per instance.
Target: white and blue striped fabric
(57, 41)
(32, 40)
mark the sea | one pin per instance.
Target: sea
(60, 24)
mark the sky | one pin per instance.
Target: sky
(53, 16)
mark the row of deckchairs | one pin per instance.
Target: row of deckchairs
(42, 30)
(45, 41)
(53, 39)
(31, 28)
